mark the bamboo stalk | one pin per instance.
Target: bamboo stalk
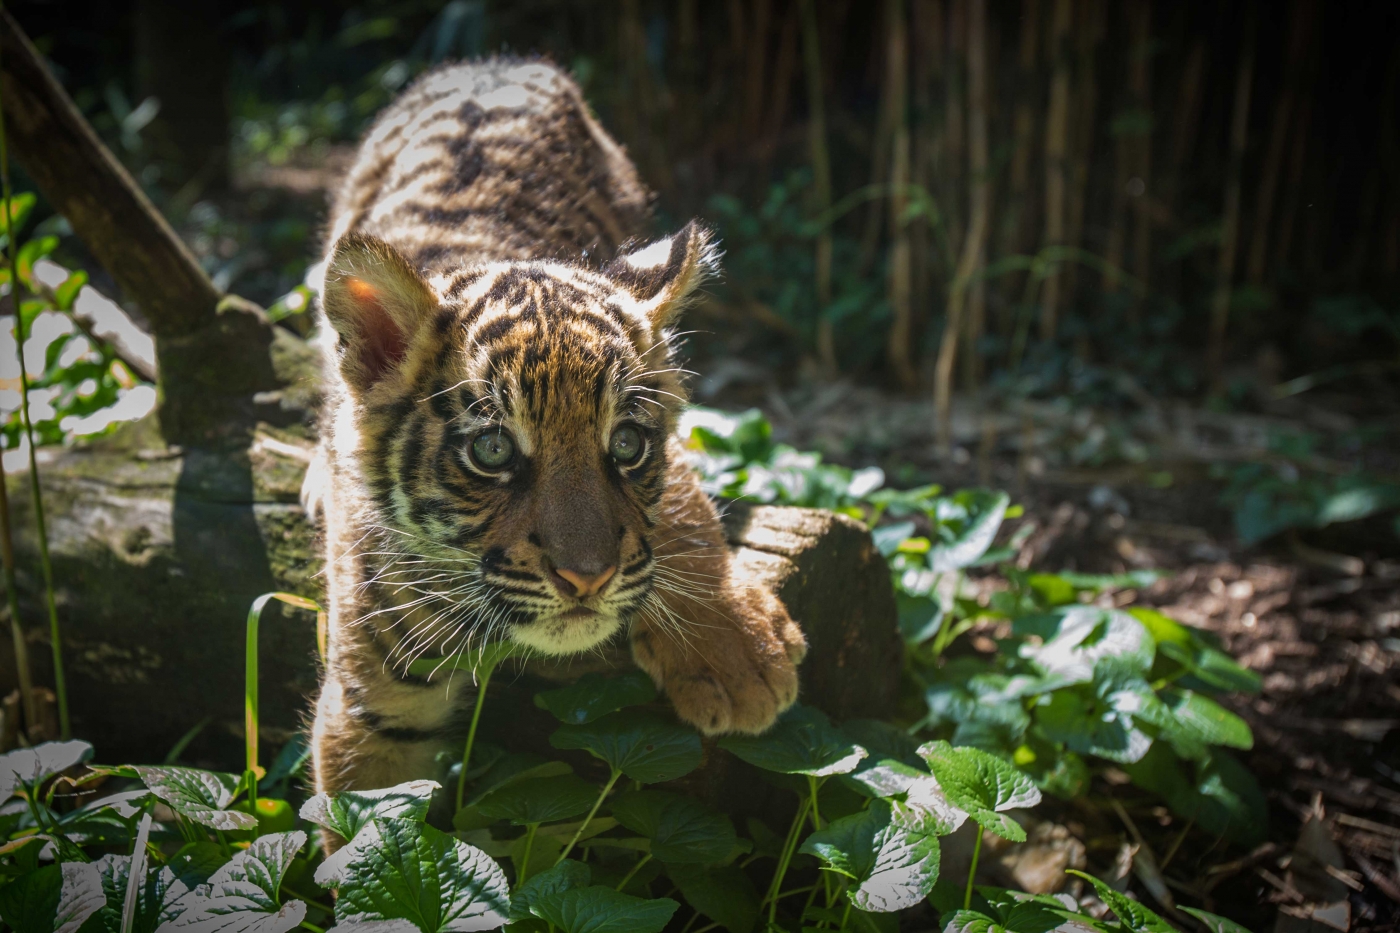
(784, 68)
(1086, 94)
(756, 68)
(1274, 153)
(1141, 81)
(972, 258)
(891, 99)
(1230, 226)
(900, 343)
(1056, 154)
(821, 180)
(929, 44)
(1019, 207)
(1297, 161)
(955, 125)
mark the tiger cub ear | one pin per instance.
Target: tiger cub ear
(376, 302)
(662, 275)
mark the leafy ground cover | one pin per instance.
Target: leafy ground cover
(1077, 687)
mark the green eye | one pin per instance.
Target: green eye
(493, 450)
(627, 444)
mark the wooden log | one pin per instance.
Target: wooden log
(159, 552)
(213, 350)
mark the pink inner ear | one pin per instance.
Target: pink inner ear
(381, 341)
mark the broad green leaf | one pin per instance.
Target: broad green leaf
(196, 862)
(594, 695)
(54, 899)
(31, 252)
(159, 900)
(566, 875)
(1232, 803)
(540, 800)
(883, 740)
(723, 894)
(641, 743)
(972, 921)
(68, 289)
(922, 796)
(1076, 638)
(406, 870)
(1133, 915)
(864, 921)
(38, 764)
(243, 896)
(512, 767)
(350, 811)
(920, 617)
(891, 863)
(1189, 648)
(201, 796)
(983, 785)
(1191, 722)
(602, 910)
(1094, 724)
(20, 207)
(681, 829)
(975, 533)
(1214, 922)
(803, 741)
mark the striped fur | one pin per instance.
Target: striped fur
(465, 295)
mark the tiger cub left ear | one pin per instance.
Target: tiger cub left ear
(663, 275)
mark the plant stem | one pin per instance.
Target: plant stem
(813, 786)
(846, 914)
(788, 848)
(632, 874)
(607, 789)
(972, 870)
(250, 699)
(524, 872)
(21, 650)
(483, 678)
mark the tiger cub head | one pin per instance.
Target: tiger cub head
(509, 425)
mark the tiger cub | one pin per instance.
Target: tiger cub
(498, 456)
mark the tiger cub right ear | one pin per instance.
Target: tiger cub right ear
(376, 302)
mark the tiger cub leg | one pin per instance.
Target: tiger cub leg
(725, 653)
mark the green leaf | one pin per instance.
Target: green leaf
(1189, 648)
(891, 862)
(922, 796)
(196, 862)
(975, 535)
(602, 910)
(243, 896)
(565, 876)
(594, 695)
(38, 764)
(57, 898)
(1214, 922)
(983, 785)
(406, 870)
(641, 743)
(681, 829)
(1191, 721)
(68, 289)
(1099, 722)
(201, 796)
(1076, 638)
(31, 252)
(20, 207)
(350, 811)
(159, 899)
(972, 921)
(803, 741)
(1133, 915)
(540, 800)
(512, 767)
(723, 894)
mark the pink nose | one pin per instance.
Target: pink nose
(580, 584)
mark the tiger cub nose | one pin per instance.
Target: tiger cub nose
(581, 584)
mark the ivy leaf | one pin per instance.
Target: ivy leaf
(681, 829)
(892, 863)
(56, 897)
(803, 741)
(565, 876)
(594, 695)
(983, 785)
(406, 870)
(599, 909)
(541, 800)
(1076, 638)
(350, 811)
(201, 796)
(1132, 915)
(38, 764)
(159, 899)
(641, 743)
(242, 896)
(1214, 922)
(724, 894)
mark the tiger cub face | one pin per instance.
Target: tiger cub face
(509, 423)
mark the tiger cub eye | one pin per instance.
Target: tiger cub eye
(627, 444)
(493, 450)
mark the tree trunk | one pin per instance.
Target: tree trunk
(1056, 156)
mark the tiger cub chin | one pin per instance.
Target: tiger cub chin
(498, 458)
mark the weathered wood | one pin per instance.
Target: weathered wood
(158, 554)
(213, 350)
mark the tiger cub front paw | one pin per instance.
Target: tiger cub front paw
(731, 678)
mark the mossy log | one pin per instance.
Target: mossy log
(159, 551)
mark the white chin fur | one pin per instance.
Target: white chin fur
(559, 636)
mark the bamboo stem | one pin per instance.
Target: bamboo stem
(1141, 81)
(1056, 155)
(972, 257)
(1086, 95)
(1230, 226)
(821, 181)
(1274, 153)
(900, 343)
